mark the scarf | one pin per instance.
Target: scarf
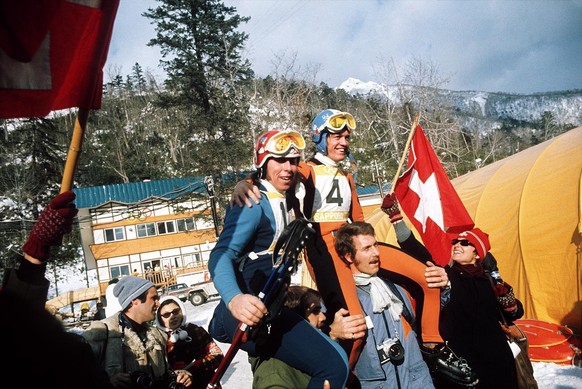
(382, 296)
(475, 270)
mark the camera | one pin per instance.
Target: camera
(141, 380)
(391, 350)
(175, 385)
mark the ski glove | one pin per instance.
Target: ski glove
(390, 207)
(54, 221)
(505, 296)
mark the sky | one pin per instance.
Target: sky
(511, 46)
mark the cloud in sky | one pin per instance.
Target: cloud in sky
(497, 46)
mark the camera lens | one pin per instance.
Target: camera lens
(142, 380)
(396, 353)
(175, 385)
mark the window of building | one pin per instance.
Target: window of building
(148, 229)
(118, 271)
(185, 224)
(166, 227)
(114, 234)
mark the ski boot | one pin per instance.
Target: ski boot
(444, 365)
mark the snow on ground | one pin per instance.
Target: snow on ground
(238, 375)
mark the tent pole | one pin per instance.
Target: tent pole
(74, 149)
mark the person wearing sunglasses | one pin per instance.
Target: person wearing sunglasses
(190, 347)
(130, 349)
(329, 199)
(471, 309)
(242, 260)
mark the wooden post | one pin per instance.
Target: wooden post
(406, 147)
(74, 149)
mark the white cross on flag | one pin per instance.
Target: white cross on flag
(430, 201)
(52, 54)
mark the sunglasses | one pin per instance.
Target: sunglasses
(462, 242)
(339, 121)
(170, 313)
(281, 143)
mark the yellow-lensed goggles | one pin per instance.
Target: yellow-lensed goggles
(283, 141)
(337, 122)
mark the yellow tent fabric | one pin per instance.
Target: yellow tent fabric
(530, 204)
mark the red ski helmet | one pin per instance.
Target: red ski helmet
(278, 144)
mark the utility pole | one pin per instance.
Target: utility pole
(379, 179)
(209, 182)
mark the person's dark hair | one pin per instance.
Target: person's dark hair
(302, 299)
(344, 243)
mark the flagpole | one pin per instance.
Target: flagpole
(74, 149)
(406, 147)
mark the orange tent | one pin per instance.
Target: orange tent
(530, 204)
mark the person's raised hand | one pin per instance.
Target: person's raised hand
(436, 276)
(54, 221)
(247, 309)
(390, 207)
(505, 296)
(345, 326)
(243, 192)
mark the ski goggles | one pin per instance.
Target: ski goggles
(462, 242)
(336, 123)
(285, 142)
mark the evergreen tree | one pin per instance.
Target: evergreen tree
(33, 154)
(205, 85)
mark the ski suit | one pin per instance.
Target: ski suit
(243, 255)
(330, 201)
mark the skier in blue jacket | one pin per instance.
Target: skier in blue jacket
(242, 260)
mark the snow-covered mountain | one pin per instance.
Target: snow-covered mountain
(566, 106)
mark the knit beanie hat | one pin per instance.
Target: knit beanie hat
(479, 239)
(130, 288)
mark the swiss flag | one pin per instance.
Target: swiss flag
(430, 201)
(52, 54)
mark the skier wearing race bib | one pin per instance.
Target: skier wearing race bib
(330, 200)
(242, 260)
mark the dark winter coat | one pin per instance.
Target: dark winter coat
(38, 352)
(470, 323)
(196, 348)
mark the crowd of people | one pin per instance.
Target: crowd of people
(379, 317)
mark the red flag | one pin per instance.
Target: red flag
(52, 54)
(430, 201)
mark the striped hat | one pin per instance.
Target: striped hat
(479, 239)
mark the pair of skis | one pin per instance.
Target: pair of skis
(285, 259)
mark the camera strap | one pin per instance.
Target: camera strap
(383, 313)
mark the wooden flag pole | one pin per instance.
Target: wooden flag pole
(74, 149)
(412, 131)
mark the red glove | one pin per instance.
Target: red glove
(390, 207)
(55, 221)
(505, 296)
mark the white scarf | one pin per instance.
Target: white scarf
(382, 296)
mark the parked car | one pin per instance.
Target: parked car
(197, 293)
(180, 290)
